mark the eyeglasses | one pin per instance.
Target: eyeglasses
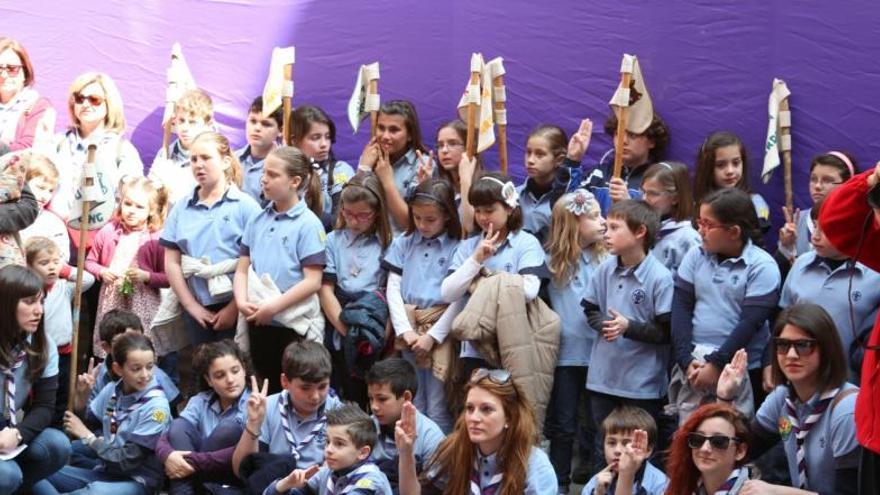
(802, 347)
(94, 100)
(718, 442)
(498, 377)
(360, 217)
(702, 223)
(824, 181)
(450, 145)
(10, 70)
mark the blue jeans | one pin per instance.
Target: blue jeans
(83, 481)
(561, 426)
(183, 435)
(46, 453)
(430, 397)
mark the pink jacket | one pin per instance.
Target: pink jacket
(27, 125)
(150, 255)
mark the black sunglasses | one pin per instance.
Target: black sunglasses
(718, 442)
(802, 347)
(499, 377)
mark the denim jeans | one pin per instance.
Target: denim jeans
(561, 426)
(45, 454)
(430, 398)
(83, 481)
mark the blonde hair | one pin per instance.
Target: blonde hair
(233, 174)
(39, 165)
(37, 245)
(115, 119)
(195, 103)
(564, 241)
(157, 195)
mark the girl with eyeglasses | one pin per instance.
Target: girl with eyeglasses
(812, 410)
(23, 112)
(725, 291)
(708, 453)
(96, 117)
(456, 168)
(492, 449)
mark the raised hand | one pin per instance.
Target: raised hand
(580, 141)
(296, 479)
(405, 429)
(487, 247)
(732, 376)
(634, 454)
(85, 382)
(788, 232)
(426, 166)
(256, 404)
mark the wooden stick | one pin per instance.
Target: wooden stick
(498, 82)
(471, 144)
(625, 80)
(287, 104)
(166, 137)
(80, 266)
(374, 114)
(786, 158)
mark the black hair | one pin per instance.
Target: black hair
(309, 361)
(637, 213)
(397, 373)
(17, 283)
(206, 353)
(358, 424)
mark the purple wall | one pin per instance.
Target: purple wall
(709, 65)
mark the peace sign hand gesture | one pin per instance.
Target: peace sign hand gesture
(256, 404)
(426, 166)
(487, 247)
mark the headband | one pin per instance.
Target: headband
(665, 165)
(845, 159)
(508, 192)
(580, 202)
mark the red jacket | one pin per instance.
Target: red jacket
(150, 255)
(842, 217)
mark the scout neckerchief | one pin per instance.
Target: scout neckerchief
(732, 485)
(118, 416)
(9, 375)
(351, 479)
(494, 481)
(801, 427)
(284, 406)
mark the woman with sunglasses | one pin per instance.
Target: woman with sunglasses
(491, 450)
(96, 117)
(708, 453)
(22, 109)
(812, 412)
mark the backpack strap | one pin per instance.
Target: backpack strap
(842, 395)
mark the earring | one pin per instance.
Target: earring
(506, 426)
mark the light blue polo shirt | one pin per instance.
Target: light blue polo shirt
(22, 382)
(342, 172)
(804, 229)
(213, 232)
(252, 169)
(360, 479)
(272, 436)
(536, 210)
(428, 437)
(674, 240)
(576, 339)
(625, 367)
(833, 436)
(723, 287)
(354, 262)
(812, 280)
(406, 169)
(762, 209)
(282, 243)
(203, 411)
(540, 477)
(422, 264)
(652, 482)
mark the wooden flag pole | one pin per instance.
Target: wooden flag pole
(471, 144)
(87, 181)
(166, 137)
(785, 145)
(625, 81)
(498, 82)
(287, 105)
(374, 114)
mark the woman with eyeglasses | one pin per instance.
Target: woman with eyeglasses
(812, 412)
(23, 112)
(708, 453)
(491, 450)
(96, 117)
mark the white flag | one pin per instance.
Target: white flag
(635, 97)
(485, 96)
(180, 80)
(771, 145)
(362, 103)
(276, 87)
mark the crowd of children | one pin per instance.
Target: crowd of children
(310, 293)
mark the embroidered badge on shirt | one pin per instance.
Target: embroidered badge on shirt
(159, 416)
(364, 483)
(784, 427)
(638, 296)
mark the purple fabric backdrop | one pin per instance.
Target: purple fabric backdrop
(709, 65)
